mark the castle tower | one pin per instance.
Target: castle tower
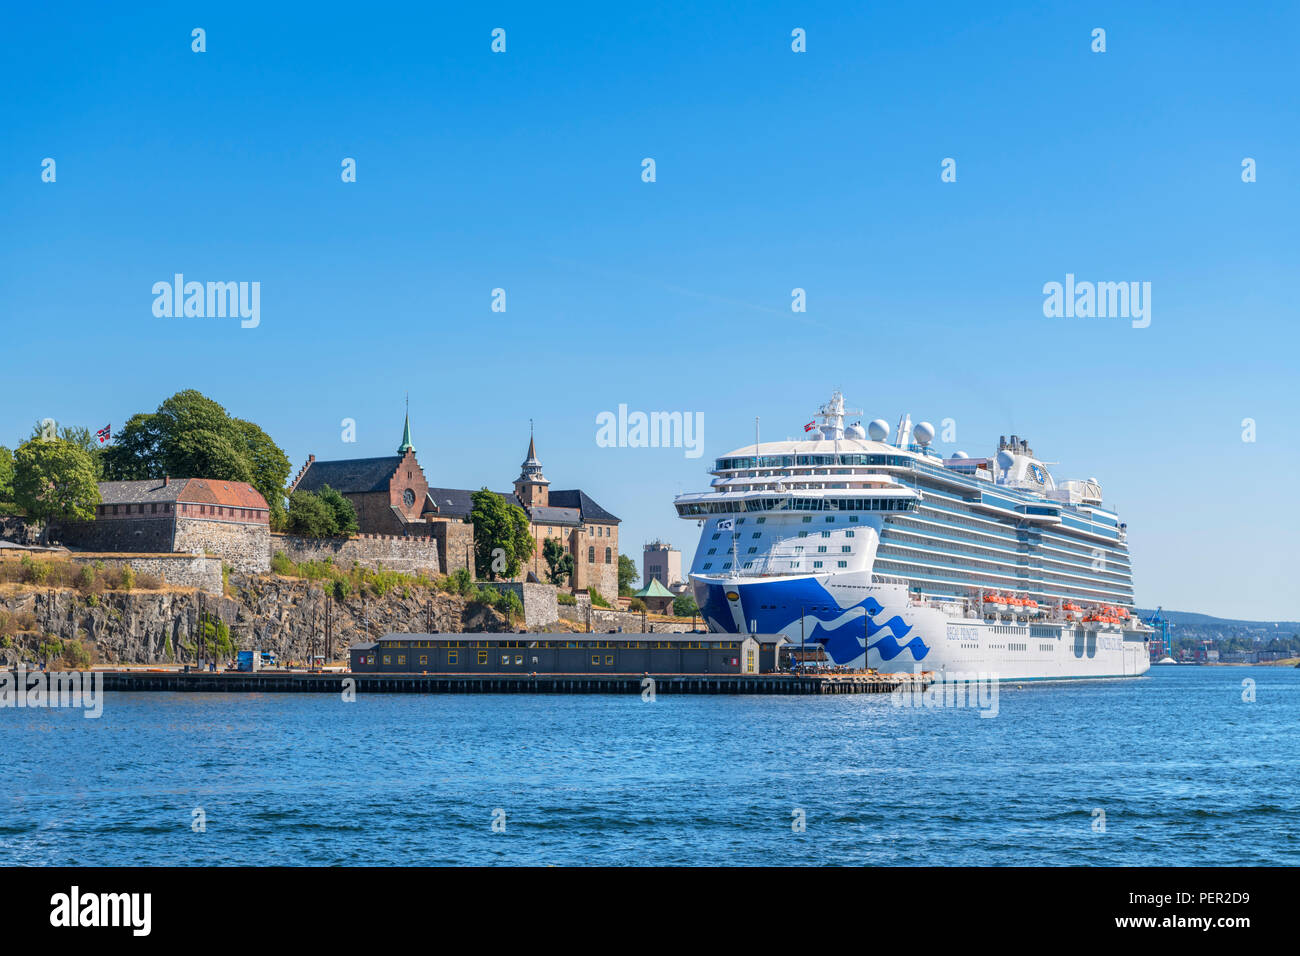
(531, 487)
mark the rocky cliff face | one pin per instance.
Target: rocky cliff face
(283, 615)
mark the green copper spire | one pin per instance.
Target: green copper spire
(406, 445)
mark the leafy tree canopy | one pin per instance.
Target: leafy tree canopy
(6, 474)
(627, 573)
(77, 435)
(55, 479)
(684, 606)
(191, 436)
(324, 515)
(559, 562)
(502, 540)
(345, 516)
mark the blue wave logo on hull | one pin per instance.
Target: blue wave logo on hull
(774, 606)
(889, 648)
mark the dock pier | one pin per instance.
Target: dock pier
(334, 683)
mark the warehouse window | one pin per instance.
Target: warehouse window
(482, 658)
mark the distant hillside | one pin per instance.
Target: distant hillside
(1205, 626)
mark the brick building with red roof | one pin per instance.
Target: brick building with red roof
(229, 519)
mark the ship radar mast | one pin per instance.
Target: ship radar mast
(831, 416)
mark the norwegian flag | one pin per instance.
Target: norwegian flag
(810, 426)
(105, 433)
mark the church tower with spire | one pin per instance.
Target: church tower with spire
(406, 445)
(531, 487)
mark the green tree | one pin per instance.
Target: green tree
(502, 540)
(6, 474)
(310, 516)
(136, 451)
(345, 516)
(77, 435)
(270, 467)
(684, 606)
(54, 480)
(558, 561)
(627, 573)
(191, 436)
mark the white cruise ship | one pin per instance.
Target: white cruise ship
(966, 568)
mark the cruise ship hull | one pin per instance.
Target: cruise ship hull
(845, 612)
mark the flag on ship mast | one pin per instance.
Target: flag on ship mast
(810, 426)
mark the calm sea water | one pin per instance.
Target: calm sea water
(1185, 771)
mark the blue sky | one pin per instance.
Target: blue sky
(775, 170)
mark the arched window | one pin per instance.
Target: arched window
(591, 555)
(607, 555)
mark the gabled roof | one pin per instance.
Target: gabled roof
(135, 492)
(540, 515)
(205, 491)
(583, 502)
(566, 507)
(450, 502)
(350, 476)
(458, 502)
(235, 494)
